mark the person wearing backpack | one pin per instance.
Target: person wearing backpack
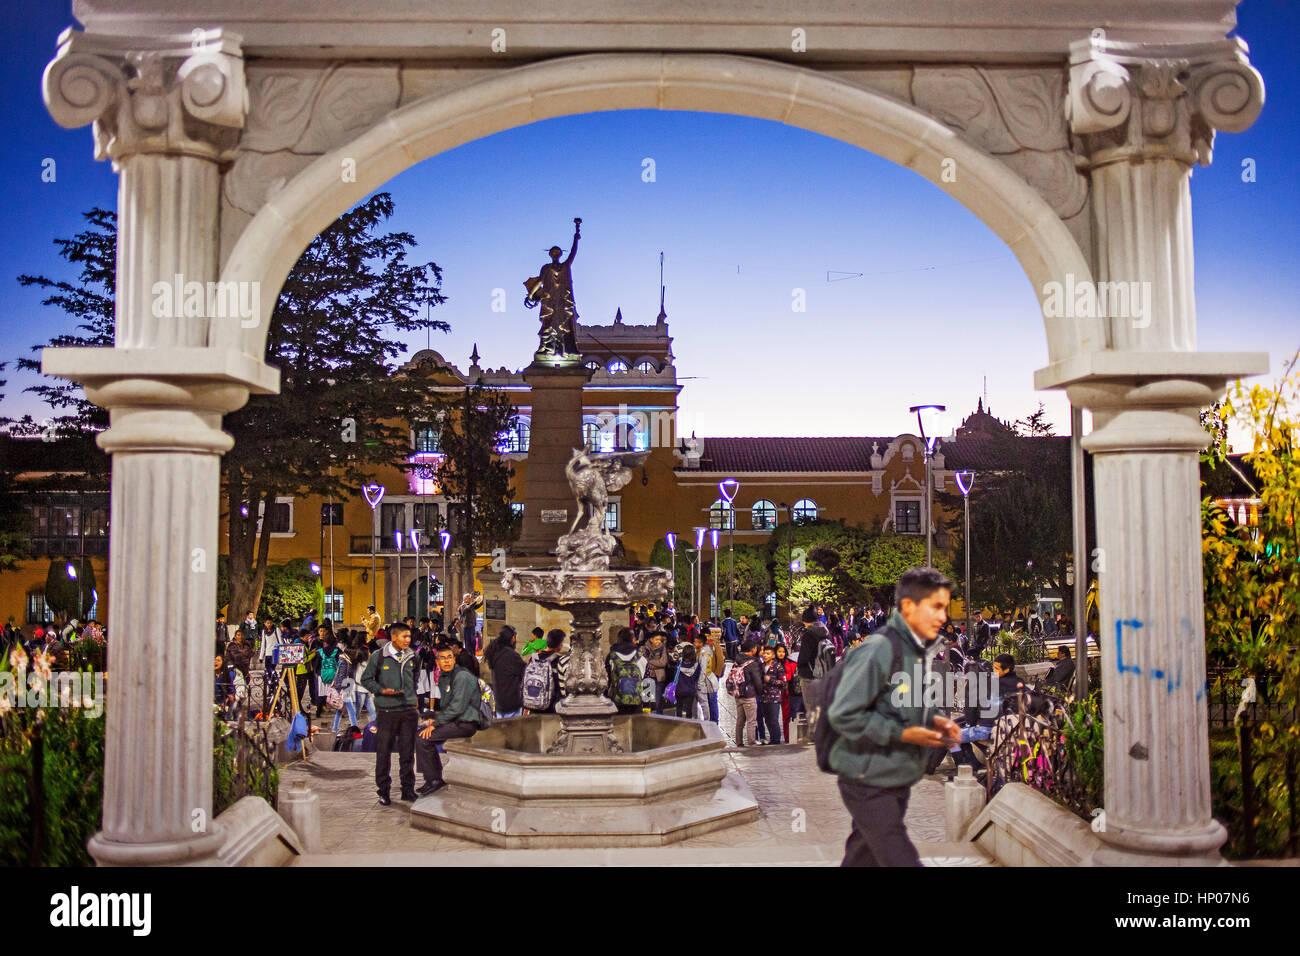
(713, 664)
(745, 684)
(543, 684)
(626, 667)
(507, 673)
(342, 691)
(456, 714)
(687, 681)
(877, 729)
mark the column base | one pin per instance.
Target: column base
(202, 850)
(1191, 847)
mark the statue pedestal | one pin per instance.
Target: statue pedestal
(556, 431)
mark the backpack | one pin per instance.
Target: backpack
(537, 684)
(824, 735)
(487, 704)
(824, 662)
(685, 683)
(625, 681)
(329, 666)
(736, 678)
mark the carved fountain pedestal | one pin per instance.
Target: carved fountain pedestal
(587, 776)
(586, 714)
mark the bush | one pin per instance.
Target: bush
(1085, 752)
(1271, 810)
(73, 781)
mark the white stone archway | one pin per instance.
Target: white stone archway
(1076, 148)
(271, 243)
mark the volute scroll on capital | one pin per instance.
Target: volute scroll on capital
(180, 95)
(1136, 101)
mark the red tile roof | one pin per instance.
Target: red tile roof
(788, 454)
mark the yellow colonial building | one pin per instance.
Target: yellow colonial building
(630, 402)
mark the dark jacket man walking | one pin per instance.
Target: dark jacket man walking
(883, 724)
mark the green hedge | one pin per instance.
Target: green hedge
(74, 783)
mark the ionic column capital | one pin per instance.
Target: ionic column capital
(179, 95)
(1136, 101)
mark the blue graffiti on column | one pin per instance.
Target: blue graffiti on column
(1157, 673)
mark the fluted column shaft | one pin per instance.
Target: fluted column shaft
(1147, 487)
(166, 239)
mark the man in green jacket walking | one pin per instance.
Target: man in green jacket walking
(390, 676)
(879, 712)
(456, 714)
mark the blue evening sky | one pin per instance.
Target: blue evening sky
(745, 211)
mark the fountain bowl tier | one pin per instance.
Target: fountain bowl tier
(669, 783)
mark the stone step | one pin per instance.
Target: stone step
(932, 854)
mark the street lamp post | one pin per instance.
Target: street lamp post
(444, 538)
(965, 482)
(699, 569)
(728, 488)
(713, 606)
(672, 548)
(415, 545)
(374, 493)
(397, 599)
(929, 481)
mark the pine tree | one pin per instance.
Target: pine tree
(472, 477)
(341, 409)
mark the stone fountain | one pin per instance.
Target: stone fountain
(587, 776)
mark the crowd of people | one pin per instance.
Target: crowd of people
(421, 683)
(60, 643)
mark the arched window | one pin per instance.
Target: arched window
(617, 365)
(722, 515)
(516, 439)
(805, 511)
(763, 515)
(592, 364)
(591, 434)
(646, 366)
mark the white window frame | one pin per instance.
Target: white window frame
(920, 510)
(279, 500)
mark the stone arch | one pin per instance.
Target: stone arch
(719, 83)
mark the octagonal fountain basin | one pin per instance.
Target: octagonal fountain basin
(669, 784)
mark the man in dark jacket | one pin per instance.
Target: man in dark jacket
(390, 676)
(883, 724)
(456, 714)
(731, 633)
(507, 673)
(980, 634)
(1062, 673)
(816, 658)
